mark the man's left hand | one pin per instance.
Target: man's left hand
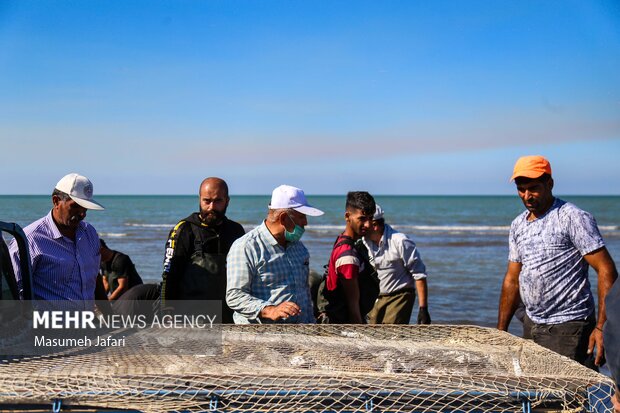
(596, 340)
(616, 401)
(423, 316)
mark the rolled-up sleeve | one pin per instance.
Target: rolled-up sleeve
(412, 259)
(241, 270)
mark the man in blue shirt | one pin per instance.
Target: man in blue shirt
(268, 268)
(64, 250)
(551, 247)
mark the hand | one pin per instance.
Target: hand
(281, 311)
(596, 340)
(423, 316)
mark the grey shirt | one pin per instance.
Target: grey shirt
(553, 282)
(397, 261)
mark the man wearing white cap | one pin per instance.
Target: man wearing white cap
(64, 250)
(401, 272)
(268, 268)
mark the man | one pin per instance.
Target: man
(612, 339)
(268, 267)
(195, 260)
(118, 272)
(552, 244)
(400, 269)
(350, 295)
(64, 249)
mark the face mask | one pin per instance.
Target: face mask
(295, 235)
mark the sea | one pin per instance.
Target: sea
(463, 240)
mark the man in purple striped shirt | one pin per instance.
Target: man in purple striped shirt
(64, 250)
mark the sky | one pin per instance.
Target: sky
(392, 97)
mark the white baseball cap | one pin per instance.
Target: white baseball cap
(80, 189)
(286, 196)
(378, 213)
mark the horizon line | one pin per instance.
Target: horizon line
(325, 195)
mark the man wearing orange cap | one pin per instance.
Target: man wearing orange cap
(551, 246)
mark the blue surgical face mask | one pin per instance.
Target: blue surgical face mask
(296, 234)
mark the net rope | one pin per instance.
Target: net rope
(303, 368)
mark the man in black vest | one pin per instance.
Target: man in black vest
(195, 260)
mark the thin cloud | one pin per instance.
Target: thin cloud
(418, 139)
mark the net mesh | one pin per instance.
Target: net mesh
(304, 368)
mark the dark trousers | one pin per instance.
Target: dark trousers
(569, 339)
(394, 308)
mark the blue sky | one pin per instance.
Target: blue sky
(394, 97)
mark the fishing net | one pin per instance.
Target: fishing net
(315, 368)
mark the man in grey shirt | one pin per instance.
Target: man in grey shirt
(400, 270)
(551, 247)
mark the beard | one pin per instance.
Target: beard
(74, 221)
(212, 217)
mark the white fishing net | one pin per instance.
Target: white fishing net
(315, 368)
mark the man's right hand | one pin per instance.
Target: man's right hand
(281, 311)
(423, 316)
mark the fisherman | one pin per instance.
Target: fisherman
(400, 269)
(118, 272)
(64, 249)
(551, 246)
(268, 268)
(350, 289)
(195, 259)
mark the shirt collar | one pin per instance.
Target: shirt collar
(51, 225)
(554, 205)
(387, 233)
(266, 235)
(55, 232)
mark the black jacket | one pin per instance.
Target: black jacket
(183, 243)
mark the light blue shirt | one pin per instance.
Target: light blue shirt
(62, 269)
(553, 282)
(261, 272)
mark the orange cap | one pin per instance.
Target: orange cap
(531, 167)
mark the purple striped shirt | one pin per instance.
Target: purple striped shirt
(62, 269)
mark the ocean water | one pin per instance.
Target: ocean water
(463, 239)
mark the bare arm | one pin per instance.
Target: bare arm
(352, 295)
(100, 295)
(106, 286)
(123, 283)
(604, 266)
(509, 299)
(422, 290)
